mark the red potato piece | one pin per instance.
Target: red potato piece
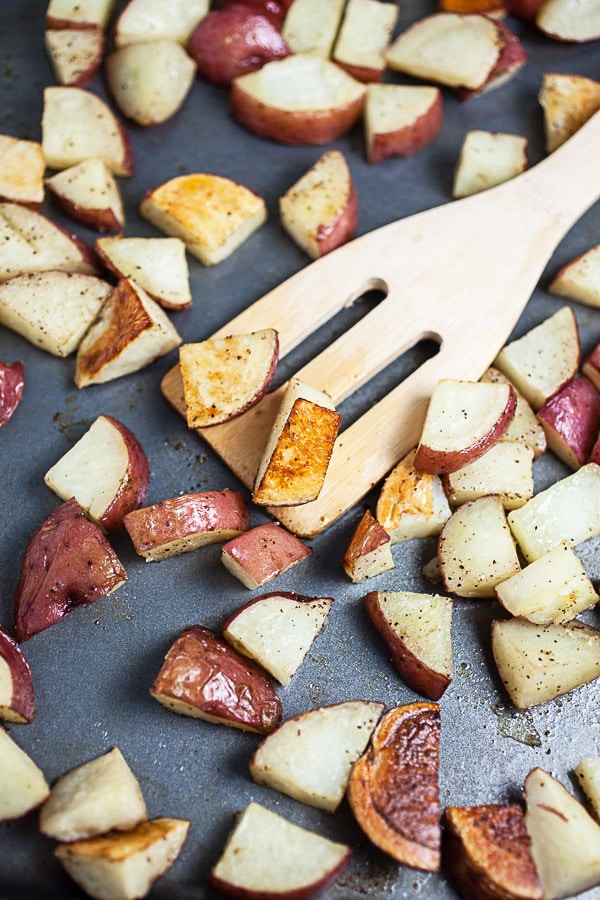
(17, 695)
(106, 471)
(75, 54)
(52, 309)
(417, 630)
(182, 524)
(523, 9)
(579, 279)
(476, 550)
(364, 34)
(159, 265)
(202, 676)
(320, 211)
(23, 785)
(277, 630)
(301, 99)
(149, 81)
(309, 757)
(211, 214)
(96, 797)
(463, 420)
(124, 863)
(22, 167)
(224, 377)
(267, 856)
(544, 359)
(89, 193)
(486, 159)
(506, 470)
(12, 384)
(231, 41)
(567, 102)
(571, 420)
(487, 853)
(400, 119)
(311, 26)
(78, 125)
(67, 563)
(31, 242)
(539, 663)
(263, 553)
(131, 332)
(591, 367)
(155, 20)
(512, 58)
(588, 777)
(393, 788)
(411, 503)
(79, 13)
(295, 459)
(577, 21)
(369, 550)
(525, 427)
(565, 840)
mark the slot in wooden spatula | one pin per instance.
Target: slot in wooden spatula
(460, 273)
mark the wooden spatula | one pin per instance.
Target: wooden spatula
(468, 300)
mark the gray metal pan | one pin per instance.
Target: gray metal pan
(93, 671)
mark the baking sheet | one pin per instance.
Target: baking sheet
(93, 670)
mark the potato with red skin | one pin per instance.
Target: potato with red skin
(67, 563)
(523, 9)
(202, 676)
(234, 40)
(393, 788)
(571, 421)
(262, 553)
(273, 9)
(486, 853)
(17, 698)
(12, 382)
(512, 58)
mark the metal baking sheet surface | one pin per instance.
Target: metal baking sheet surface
(93, 670)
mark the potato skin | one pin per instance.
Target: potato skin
(22, 703)
(12, 382)
(134, 485)
(411, 139)
(205, 673)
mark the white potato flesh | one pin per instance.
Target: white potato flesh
(266, 853)
(579, 279)
(78, 125)
(223, 377)
(29, 242)
(565, 840)
(277, 631)
(423, 622)
(506, 469)
(93, 470)
(569, 510)
(80, 13)
(75, 53)
(541, 361)
(476, 550)
(22, 167)
(448, 48)
(540, 662)
(297, 452)
(310, 208)
(569, 20)
(310, 26)
(412, 504)
(302, 83)
(52, 310)
(124, 865)
(150, 81)
(23, 785)
(553, 588)
(152, 20)
(90, 185)
(211, 214)
(588, 776)
(94, 798)
(567, 102)
(309, 756)
(364, 34)
(486, 159)
(159, 265)
(525, 426)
